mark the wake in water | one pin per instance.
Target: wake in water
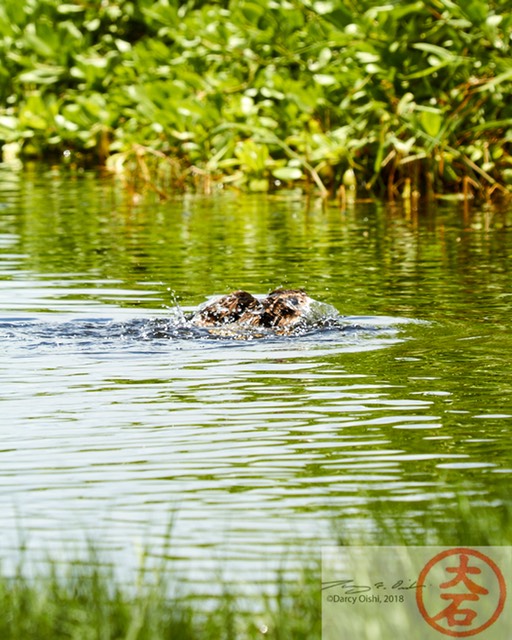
(284, 316)
(149, 334)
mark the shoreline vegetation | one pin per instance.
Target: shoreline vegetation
(65, 599)
(84, 599)
(400, 99)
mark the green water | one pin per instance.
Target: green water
(258, 449)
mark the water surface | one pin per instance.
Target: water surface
(116, 417)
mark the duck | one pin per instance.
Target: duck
(281, 309)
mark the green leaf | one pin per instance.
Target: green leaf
(324, 6)
(476, 10)
(8, 122)
(439, 52)
(31, 120)
(252, 11)
(335, 12)
(324, 79)
(287, 173)
(36, 43)
(42, 75)
(399, 12)
(70, 8)
(258, 185)
(123, 45)
(431, 122)
(423, 73)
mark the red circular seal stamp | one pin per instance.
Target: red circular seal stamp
(460, 592)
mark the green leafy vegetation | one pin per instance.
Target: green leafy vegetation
(402, 98)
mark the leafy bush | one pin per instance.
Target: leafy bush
(406, 96)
